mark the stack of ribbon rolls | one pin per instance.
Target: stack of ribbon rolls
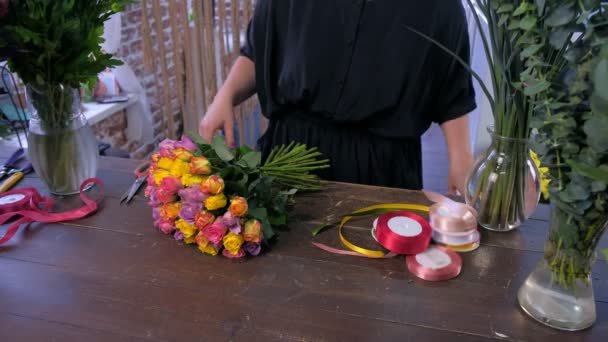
(454, 226)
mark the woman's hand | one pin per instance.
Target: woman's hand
(456, 134)
(459, 171)
(219, 116)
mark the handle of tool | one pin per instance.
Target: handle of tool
(11, 181)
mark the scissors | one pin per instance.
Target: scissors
(141, 174)
(13, 171)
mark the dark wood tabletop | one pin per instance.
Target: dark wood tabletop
(113, 277)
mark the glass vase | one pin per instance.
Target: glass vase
(559, 292)
(504, 185)
(61, 144)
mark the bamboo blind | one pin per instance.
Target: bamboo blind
(196, 44)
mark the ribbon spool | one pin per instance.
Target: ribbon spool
(455, 226)
(403, 232)
(27, 205)
(437, 263)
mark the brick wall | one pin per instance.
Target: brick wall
(112, 130)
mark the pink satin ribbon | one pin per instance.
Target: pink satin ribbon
(447, 272)
(34, 207)
(403, 244)
(450, 217)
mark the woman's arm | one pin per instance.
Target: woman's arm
(456, 134)
(238, 87)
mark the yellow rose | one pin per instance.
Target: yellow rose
(189, 230)
(233, 242)
(189, 240)
(215, 202)
(179, 168)
(189, 180)
(165, 163)
(183, 154)
(208, 249)
(252, 232)
(159, 175)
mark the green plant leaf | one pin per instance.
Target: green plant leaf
(221, 148)
(560, 16)
(505, 8)
(536, 87)
(522, 8)
(251, 159)
(600, 79)
(596, 129)
(558, 38)
(540, 6)
(318, 229)
(531, 50)
(527, 23)
(595, 173)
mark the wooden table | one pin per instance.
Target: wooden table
(113, 277)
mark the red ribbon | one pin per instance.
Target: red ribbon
(33, 207)
(403, 244)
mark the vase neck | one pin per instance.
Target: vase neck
(54, 104)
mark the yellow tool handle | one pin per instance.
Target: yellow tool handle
(11, 181)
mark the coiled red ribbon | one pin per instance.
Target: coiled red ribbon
(413, 242)
(27, 205)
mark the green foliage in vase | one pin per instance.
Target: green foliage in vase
(55, 46)
(568, 53)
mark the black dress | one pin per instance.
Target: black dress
(349, 77)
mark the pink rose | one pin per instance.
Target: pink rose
(239, 254)
(166, 226)
(166, 148)
(171, 184)
(215, 232)
(186, 143)
(163, 196)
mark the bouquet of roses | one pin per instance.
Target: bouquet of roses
(225, 200)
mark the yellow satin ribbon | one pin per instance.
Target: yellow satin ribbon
(370, 252)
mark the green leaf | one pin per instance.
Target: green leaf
(505, 8)
(318, 229)
(523, 8)
(251, 159)
(577, 192)
(221, 148)
(596, 129)
(560, 16)
(595, 173)
(278, 220)
(536, 87)
(527, 23)
(600, 79)
(558, 38)
(540, 6)
(598, 186)
(531, 50)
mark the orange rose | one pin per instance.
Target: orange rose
(203, 218)
(200, 166)
(213, 185)
(170, 211)
(238, 207)
(253, 231)
(183, 154)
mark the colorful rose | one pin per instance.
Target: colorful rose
(189, 230)
(252, 248)
(200, 166)
(215, 202)
(154, 158)
(195, 181)
(160, 175)
(170, 211)
(189, 211)
(201, 240)
(209, 249)
(253, 231)
(213, 185)
(215, 232)
(238, 207)
(156, 214)
(186, 143)
(179, 236)
(183, 154)
(239, 254)
(171, 185)
(179, 168)
(203, 219)
(166, 226)
(232, 223)
(192, 196)
(166, 148)
(233, 242)
(165, 163)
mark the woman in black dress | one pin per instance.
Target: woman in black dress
(349, 77)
